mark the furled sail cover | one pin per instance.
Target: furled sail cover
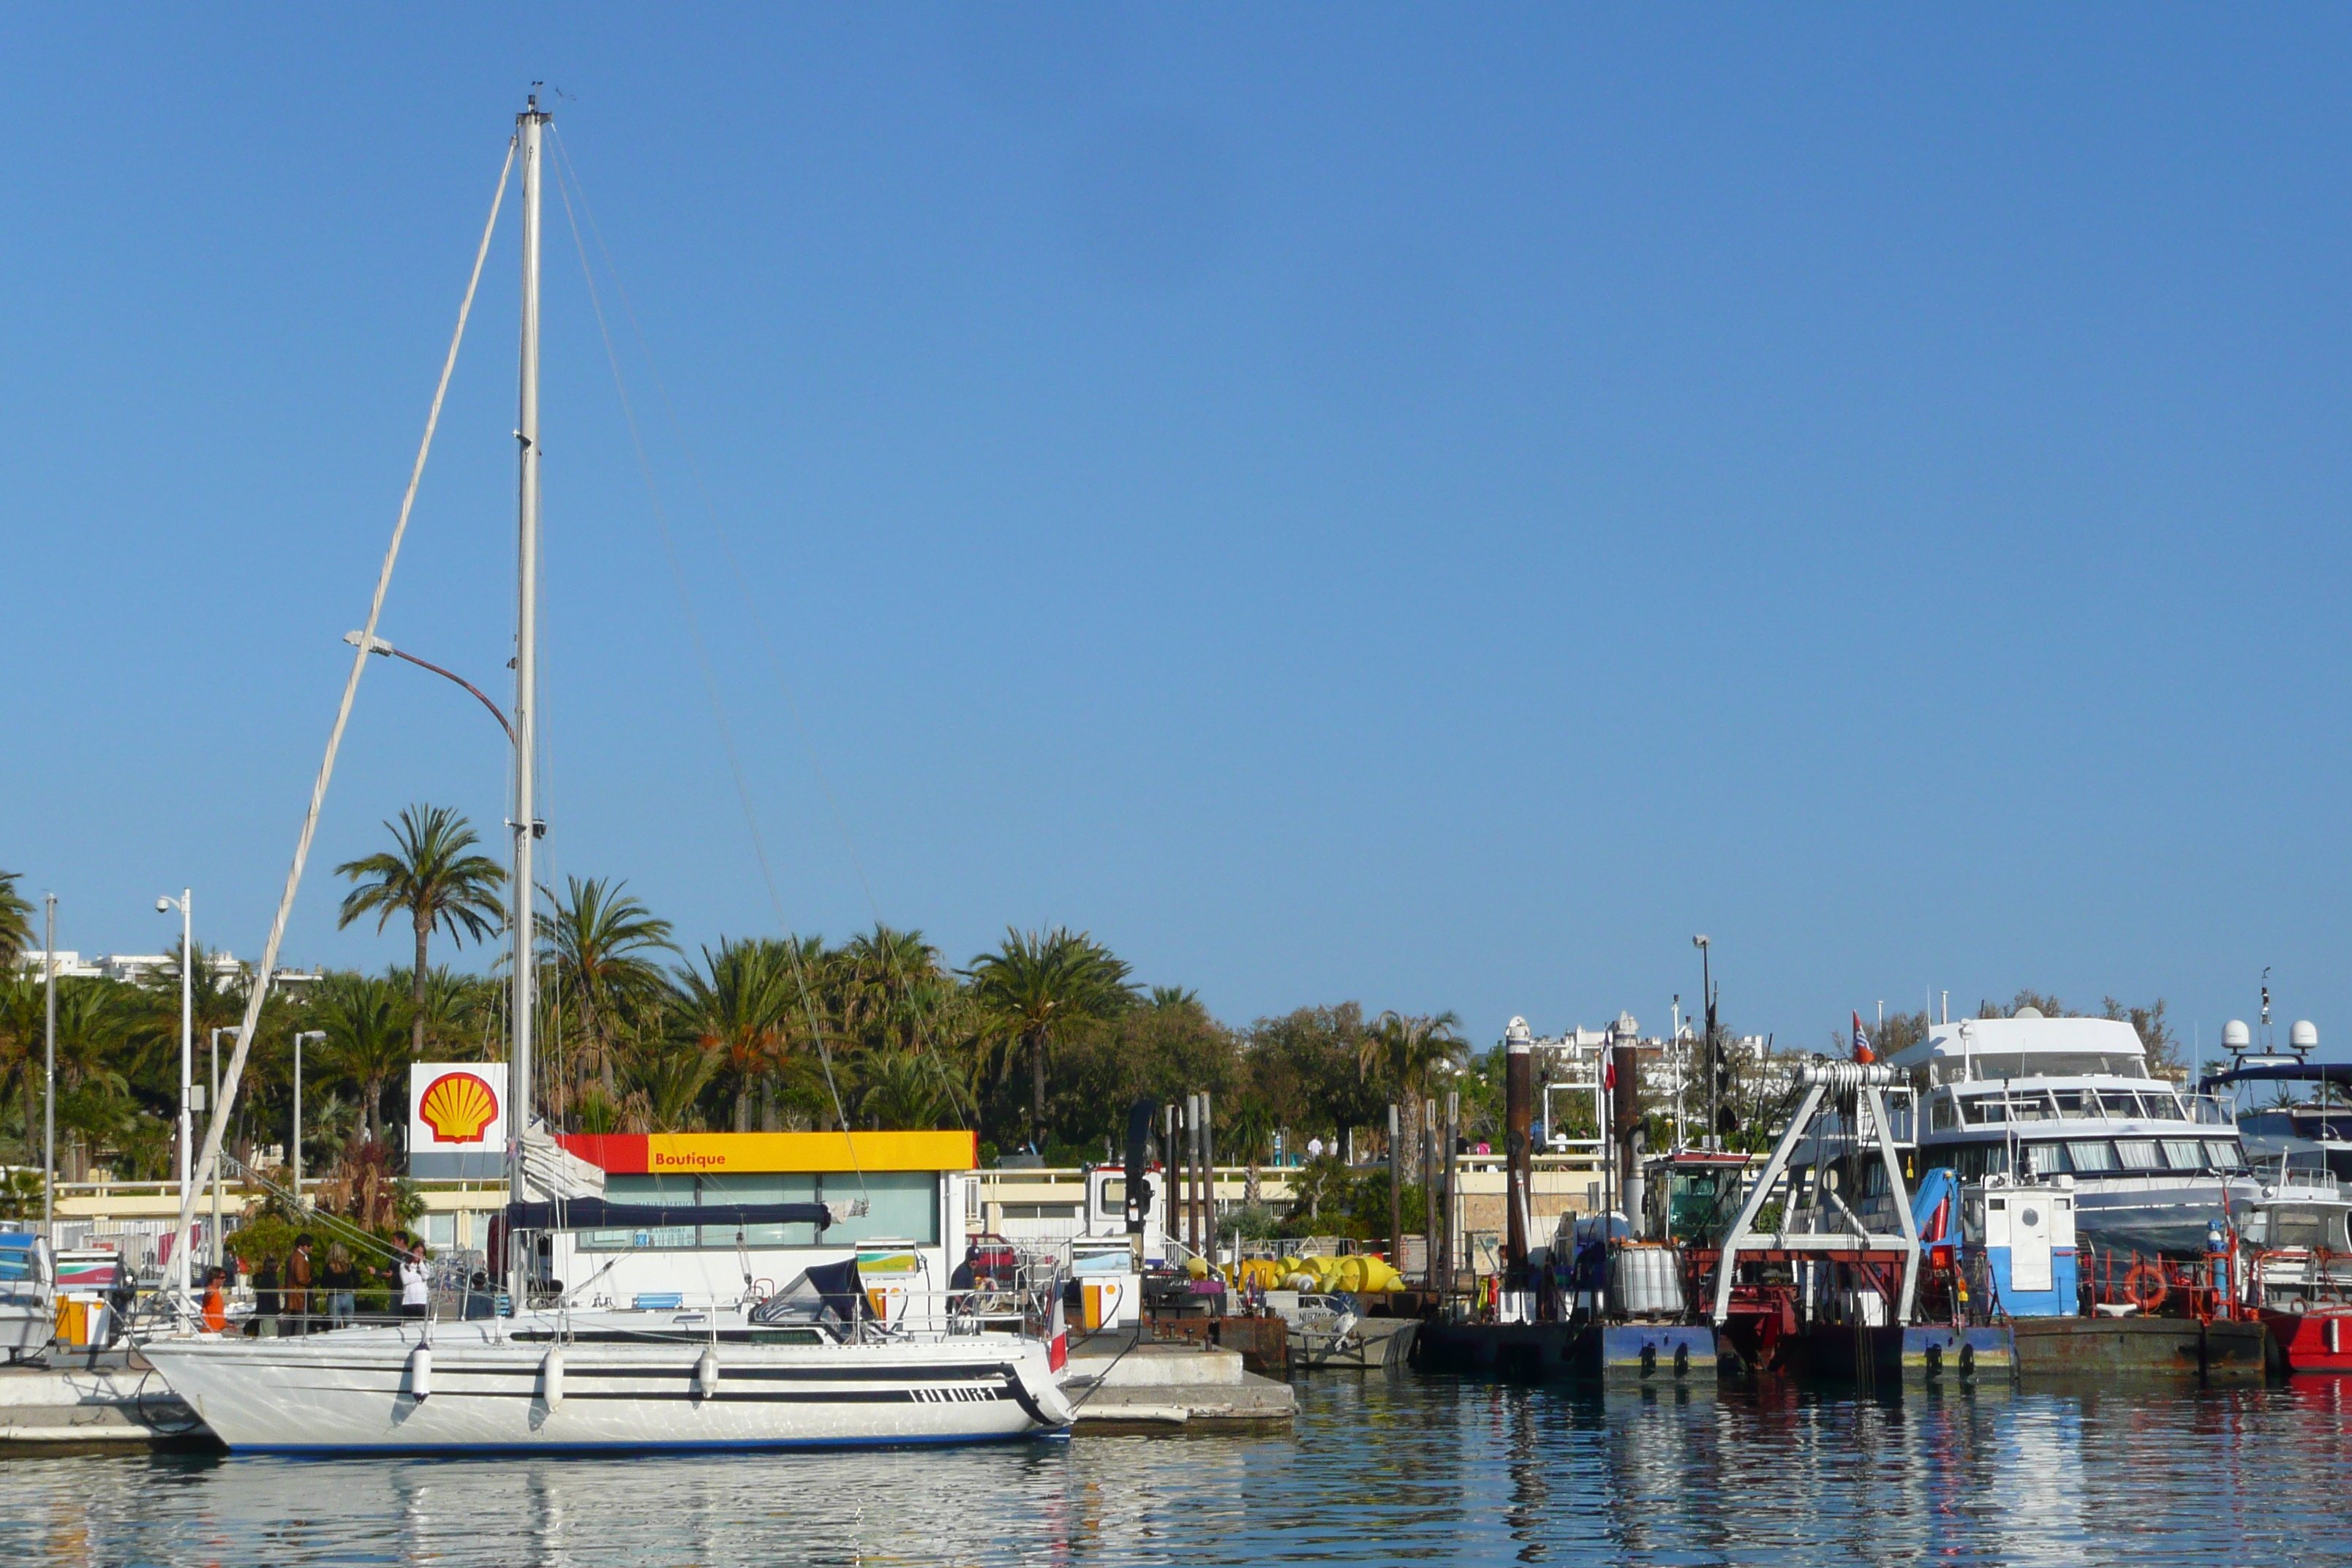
(603, 1213)
(550, 1171)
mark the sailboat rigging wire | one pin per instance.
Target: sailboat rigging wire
(709, 681)
(566, 168)
(259, 991)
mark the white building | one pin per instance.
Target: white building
(136, 967)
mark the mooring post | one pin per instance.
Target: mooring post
(1518, 1093)
(1449, 1219)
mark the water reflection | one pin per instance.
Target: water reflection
(1378, 1471)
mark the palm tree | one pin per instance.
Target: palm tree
(602, 942)
(16, 924)
(431, 876)
(1035, 986)
(95, 1106)
(367, 1022)
(1397, 1053)
(741, 1006)
(21, 1020)
(899, 1090)
(1249, 1133)
(669, 1081)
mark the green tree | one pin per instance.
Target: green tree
(431, 878)
(740, 1005)
(16, 924)
(896, 1089)
(367, 1021)
(2163, 1047)
(601, 943)
(1034, 987)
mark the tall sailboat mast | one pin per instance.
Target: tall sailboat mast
(526, 825)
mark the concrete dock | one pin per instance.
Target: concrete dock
(1122, 1381)
(109, 1398)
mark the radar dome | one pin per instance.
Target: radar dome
(2027, 1013)
(2235, 1037)
(2304, 1036)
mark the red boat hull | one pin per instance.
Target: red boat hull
(2313, 1342)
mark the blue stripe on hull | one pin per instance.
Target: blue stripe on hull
(448, 1451)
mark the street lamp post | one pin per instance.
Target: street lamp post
(184, 903)
(383, 649)
(297, 1145)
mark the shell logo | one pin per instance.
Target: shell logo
(458, 1106)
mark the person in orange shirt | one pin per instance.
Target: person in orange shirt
(216, 1302)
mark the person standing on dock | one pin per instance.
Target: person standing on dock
(342, 1282)
(265, 1299)
(297, 1308)
(216, 1302)
(414, 1284)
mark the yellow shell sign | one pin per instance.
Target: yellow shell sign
(458, 1106)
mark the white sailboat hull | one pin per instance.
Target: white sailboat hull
(351, 1391)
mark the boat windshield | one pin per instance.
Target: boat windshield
(830, 1294)
(2298, 1224)
(1982, 1064)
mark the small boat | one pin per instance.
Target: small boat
(27, 1317)
(2298, 1265)
(2032, 1099)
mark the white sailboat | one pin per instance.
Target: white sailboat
(827, 1361)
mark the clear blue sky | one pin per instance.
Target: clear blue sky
(1431, 507)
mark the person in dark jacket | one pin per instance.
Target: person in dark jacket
(265, 1298)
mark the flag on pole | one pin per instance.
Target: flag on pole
(1609, 1071)
(1861, 1051)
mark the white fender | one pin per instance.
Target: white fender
(551, 1378)
(706, 1374)
(420, 1374)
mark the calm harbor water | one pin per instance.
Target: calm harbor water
(1378, 1471)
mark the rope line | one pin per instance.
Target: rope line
(702, 662)
(360, 655)
(923, 1034)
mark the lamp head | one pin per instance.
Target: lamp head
(1699, 941)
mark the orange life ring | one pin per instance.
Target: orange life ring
(2145, 1287)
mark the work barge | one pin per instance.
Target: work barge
(1836, 1257)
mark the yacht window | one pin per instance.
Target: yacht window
(2137, 1153)
(2075, 1102)
(2223, 1155)
(1987, 1107)
(2184, 1154)
(2119, 1102)
(2267, 1122)
(2046, 1159)
(2093, 1155)
(2299, 1226)
(2028, 1107)
(1940, 1114)
(2164, 1108)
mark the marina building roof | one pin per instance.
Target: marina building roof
(698, 1153)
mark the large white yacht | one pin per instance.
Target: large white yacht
(2154, 1166)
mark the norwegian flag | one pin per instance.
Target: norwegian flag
(1861, 1051)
